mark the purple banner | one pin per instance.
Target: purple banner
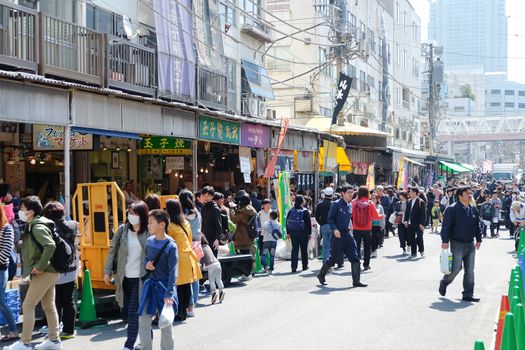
(256, 136)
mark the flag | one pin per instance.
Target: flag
(401, 181)
(371, 177)
(283, 200)
(270, 168)
(343, 88)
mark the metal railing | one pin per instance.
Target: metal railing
(131, 66)
(211, 88)
(71, 51)
(18, 36)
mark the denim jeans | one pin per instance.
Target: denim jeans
(4, 309)
(462, 254)
(269, 249)
(326, 233)
(194, 293)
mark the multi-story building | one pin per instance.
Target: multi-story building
(472, 33)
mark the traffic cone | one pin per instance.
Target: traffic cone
(258, 265)
(509, 334)
(516, 292)
(520, 325)
(232, 248)
(513, 302)
(478, 345)
(504, 308)
(88, 314)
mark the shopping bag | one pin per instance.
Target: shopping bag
(446, 261)
(166, 316)
(197, 249)
(392, 218)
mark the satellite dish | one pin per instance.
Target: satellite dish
(127, 26)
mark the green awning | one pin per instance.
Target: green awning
(453, 168)
(467, 166)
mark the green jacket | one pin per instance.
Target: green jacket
(32, 255)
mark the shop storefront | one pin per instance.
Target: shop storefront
(255, 141)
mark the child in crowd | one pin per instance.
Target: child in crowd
(213, 266)
(436, 216)
(271, 232)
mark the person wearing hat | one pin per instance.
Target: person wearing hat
(517, 217)
(321, 216)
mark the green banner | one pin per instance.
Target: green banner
(283, 198)
(164, 145)
(213, 129)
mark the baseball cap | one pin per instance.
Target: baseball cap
(328, 191)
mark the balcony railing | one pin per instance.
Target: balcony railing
(256, 28)
(18, 39)
(71, 51)
(131, 67)
(211, 88)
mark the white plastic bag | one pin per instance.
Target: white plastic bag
(392, 218)
(166, 316)
(445, 260)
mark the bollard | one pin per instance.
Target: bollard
(519, 323)
(509, 334)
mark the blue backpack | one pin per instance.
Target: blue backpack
(295, 220)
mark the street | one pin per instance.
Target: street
(401, 308)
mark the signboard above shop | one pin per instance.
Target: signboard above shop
(161, 145)
(52, 138)
(218, 130)
(256, 136)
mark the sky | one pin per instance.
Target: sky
(516, 26)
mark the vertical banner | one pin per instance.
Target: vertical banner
(283, 200)
(343, 88)
(270, 168)
(371, 177)
(402, 176)
(176, 57)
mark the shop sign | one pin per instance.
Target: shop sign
(360, 168)
(51, 138)
(217, 130)
(174, 163)
(256, 136)
(164, 146)
(245, 160)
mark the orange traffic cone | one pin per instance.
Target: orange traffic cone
(504, 308)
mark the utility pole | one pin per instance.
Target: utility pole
(435, 79)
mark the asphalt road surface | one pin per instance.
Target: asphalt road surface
(401, 308)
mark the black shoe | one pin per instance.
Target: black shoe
(442, 289)
(294, 271)
(322, 279)
(340, 266)
(471, 299)
(322, 274)
(305, 268)
(366, 268)
(360, 285)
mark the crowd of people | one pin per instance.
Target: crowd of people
(159, 256)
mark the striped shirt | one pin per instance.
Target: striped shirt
(6, 244)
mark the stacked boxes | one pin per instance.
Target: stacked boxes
(12, 301)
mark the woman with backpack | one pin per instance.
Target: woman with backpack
(126, 262)
(188, 265)
(194, 218)
(242, 218)
(6, 246)
(299, 228)
(65, 286)
(488, 211)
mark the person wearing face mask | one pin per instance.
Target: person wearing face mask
(125, 261)
(37, 250)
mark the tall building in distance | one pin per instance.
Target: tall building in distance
(471, 32)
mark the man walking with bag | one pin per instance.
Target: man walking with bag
(460, 228)
(415, 217)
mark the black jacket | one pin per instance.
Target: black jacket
(211, 222)
(416, 215)
(461, 224)
(321, 211)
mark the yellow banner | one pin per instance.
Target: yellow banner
(401, 171)
(328, 156)
(371, 177)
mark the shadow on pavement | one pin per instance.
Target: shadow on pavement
(324, 290)
(448, 305)
(113, 331)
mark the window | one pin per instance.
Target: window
(495, 92)
(397, 133)
(371, 82)
(277, 5)
(404, 135)
(388, 53)
(63, 9)
(404, 20)
(406, 95)
(380, 90)
(327, 112)
(362, 79)
(398, 96)
(283, 57)
(252, 9)
(231, 83)
(398, 54)
(495, 104)
(415, 68)
(353, 21)
(352, 73)
(521, 93)
(405, 61)
(372, 38)
(227, 14)
(521, 105)
(104, 21)
(323, 59)
(509, 92)
(410, 138)
(509, 105)
(415, 32)
(398, 13)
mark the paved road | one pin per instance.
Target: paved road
(401, 308)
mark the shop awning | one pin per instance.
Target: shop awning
(467, 166)
(109, 133)
(413, 161)
(322, 123)
(258, 79)
(341, 158)
(453, 168)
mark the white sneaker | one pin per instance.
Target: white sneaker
(43, 330)
(19, 345)
(191, 314)
(49, 345)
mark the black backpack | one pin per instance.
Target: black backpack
(64, 255)
(487, 211)
(254, 227)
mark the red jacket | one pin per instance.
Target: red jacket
(372, 215)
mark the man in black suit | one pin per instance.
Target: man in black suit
(415, 216)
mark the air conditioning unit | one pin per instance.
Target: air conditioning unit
(307, 41)
(138, 74)
(250, 106)
(271, 114)
(262, 109)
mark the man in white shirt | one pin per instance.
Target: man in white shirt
(128, 194)
(264, 217)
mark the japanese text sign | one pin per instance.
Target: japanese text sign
(219, 130)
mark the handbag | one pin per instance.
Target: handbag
(117, 248)
(197, 249)
(392, 218)
(445, 261)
